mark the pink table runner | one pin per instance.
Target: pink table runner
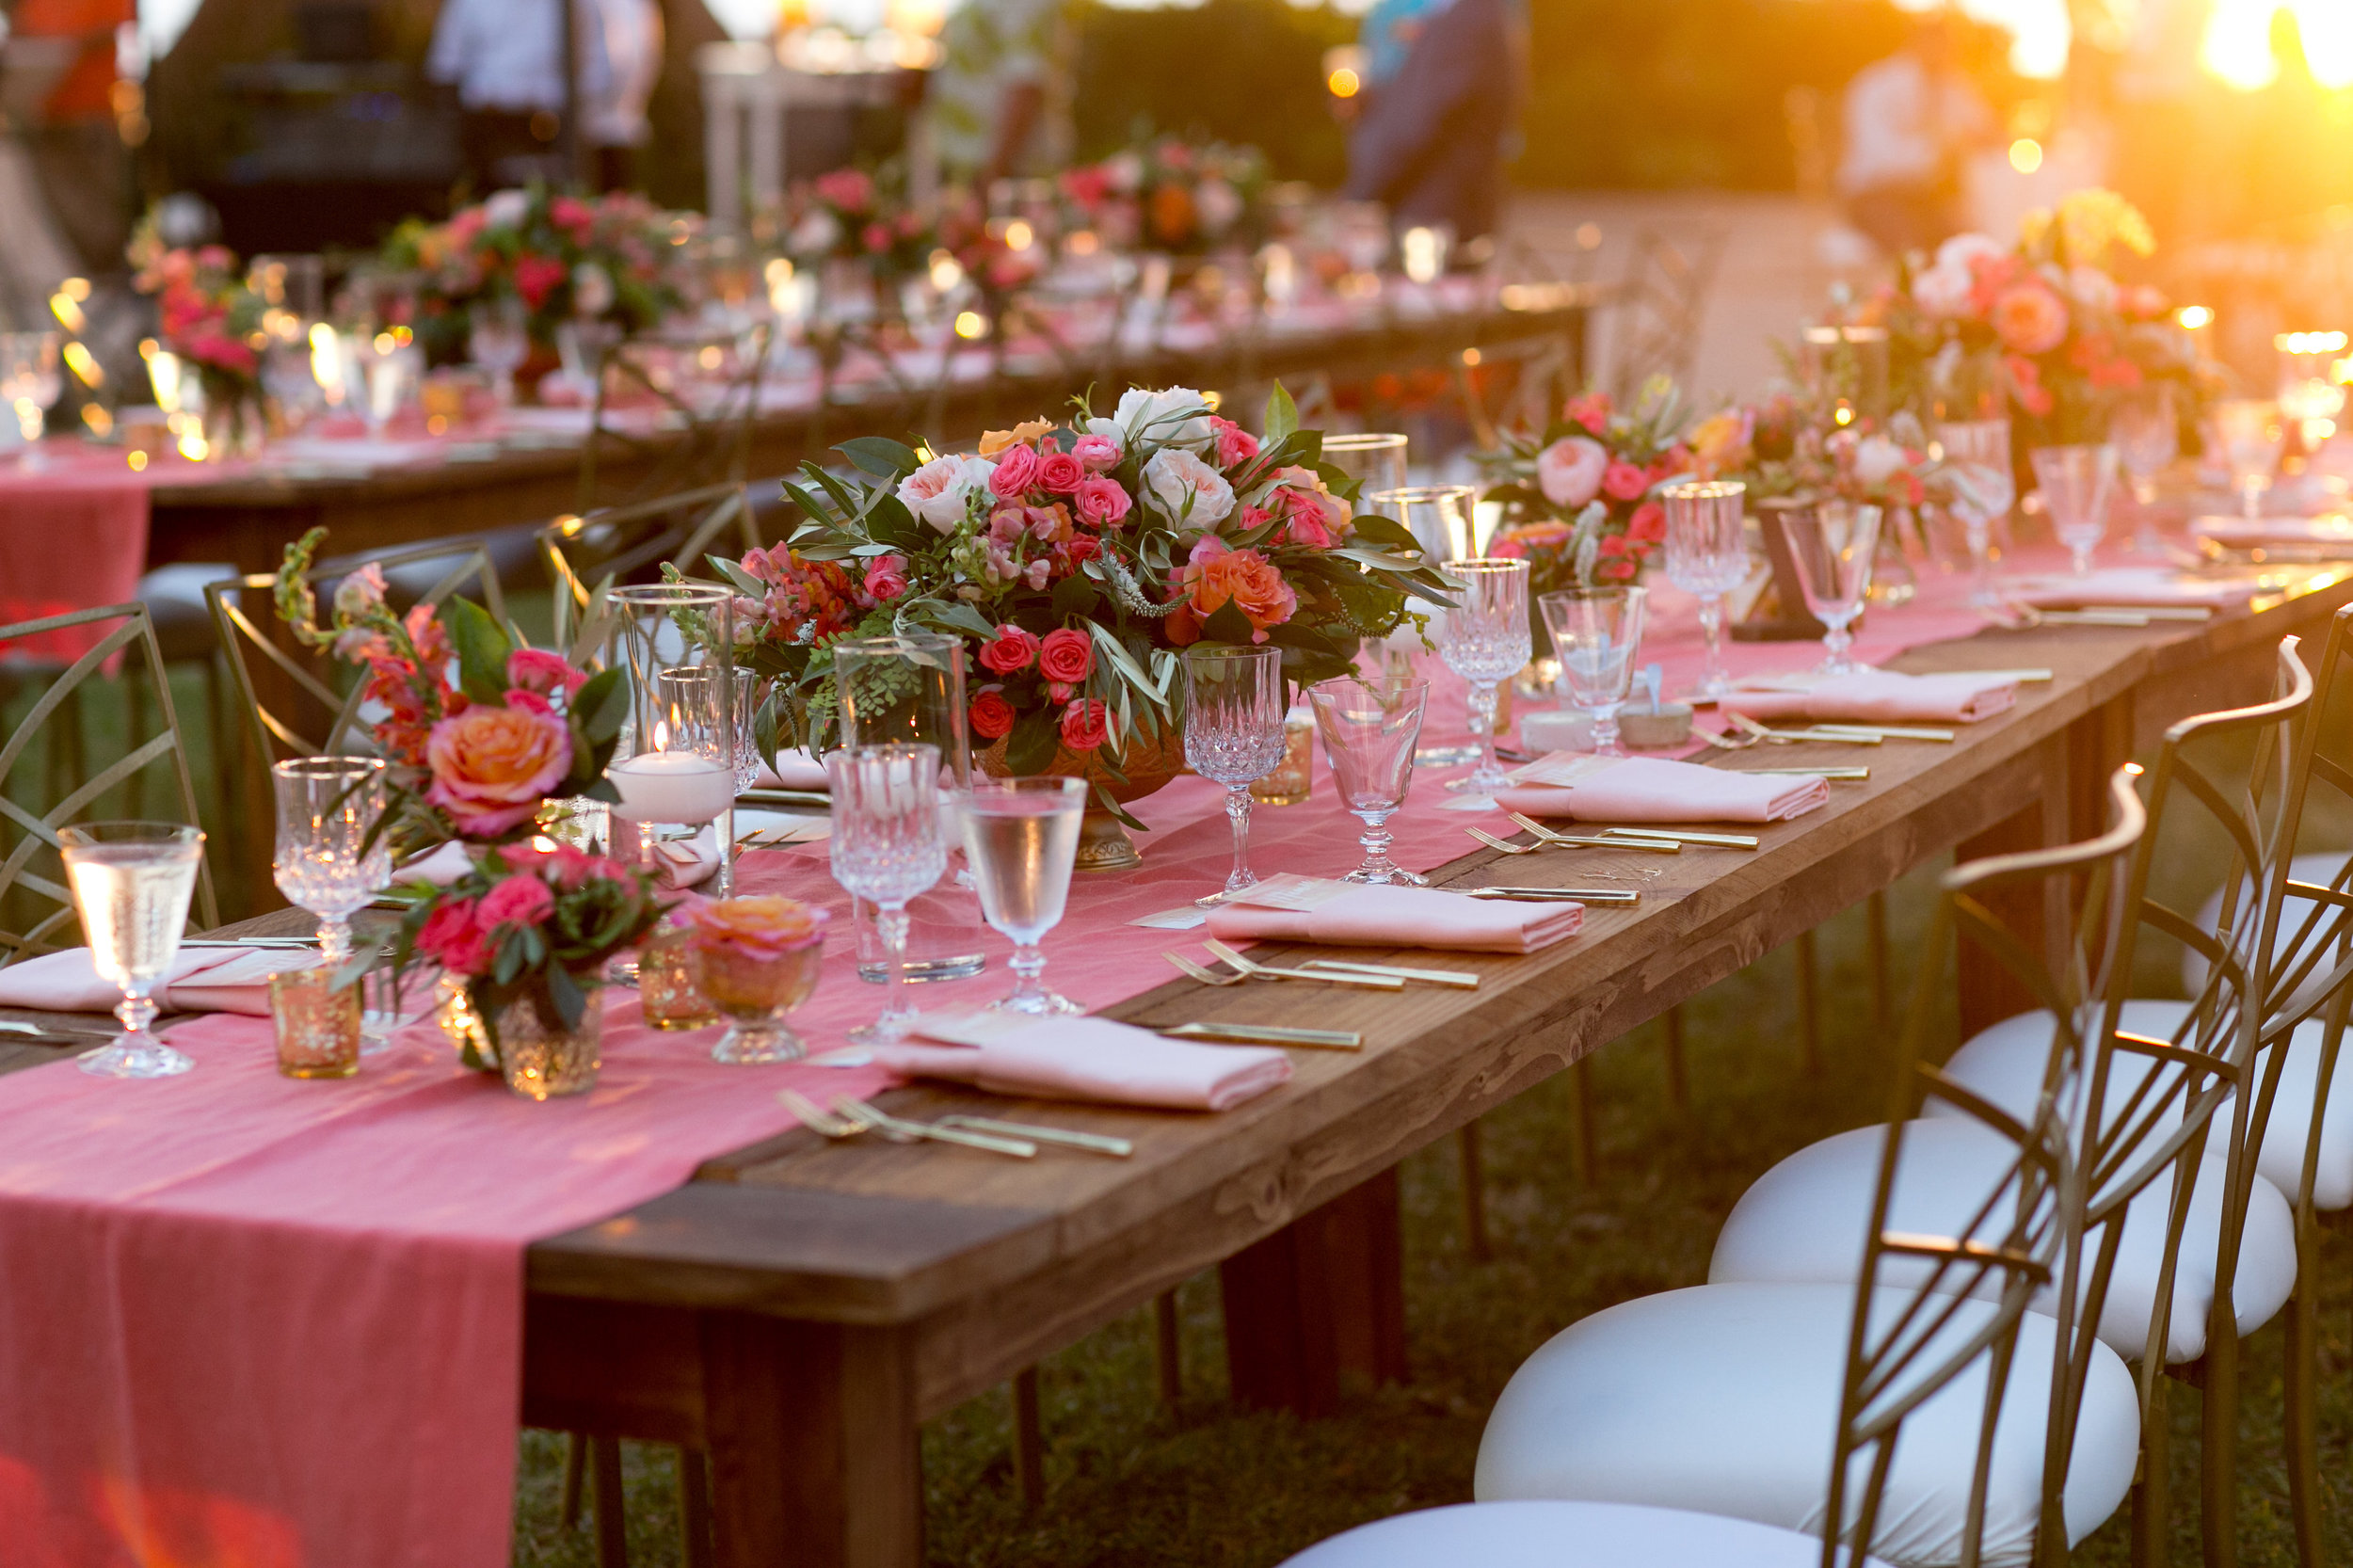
(71, 539)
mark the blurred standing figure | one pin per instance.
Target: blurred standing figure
(1000, 102)
(1910, 120)
(1444, 82)
(614, 122)
(506, 58)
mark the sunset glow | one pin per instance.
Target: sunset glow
(2237, 45)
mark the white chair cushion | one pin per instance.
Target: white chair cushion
(1804, 1221)
(2005, 1065)
(1724, 1399)
(1563, 1535)
(2320, 869)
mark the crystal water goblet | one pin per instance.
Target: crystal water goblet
(1370, 726)
(886, 848)
(1485, 640)
(1022, 836)
(498, 338)
(2251, 434)
(1235, 703)
(1597, 634)
(1706, 557)
(130, 882)
(2148, 439)
(332, 857)
(2076, 482)
(1977, 456)
(1832, 543)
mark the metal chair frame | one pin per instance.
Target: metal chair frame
(1660, 306)
(718, 439)
(32, 832)
(672, 530)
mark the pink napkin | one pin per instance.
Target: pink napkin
(1089, 1059)
(2332, 530)
(1400, 917)
(2135, 586)
(1881, 696)
(202, 980)
(1653, 790)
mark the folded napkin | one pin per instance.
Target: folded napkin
(794, 770)
(202, 980)
(1877, 697)
(1653, 790)
(2332, 530)
(442, 865)
(1088, 1059)
(1343, 913)
(2158, 586)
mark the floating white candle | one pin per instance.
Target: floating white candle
(671, 787)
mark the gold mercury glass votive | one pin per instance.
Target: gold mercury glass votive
(317, 1023)
(665, 982)
(1294, 776)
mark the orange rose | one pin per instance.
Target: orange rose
(766, 927)
(2029, 318)
(1023, 434)
(1218, 574)
(492, 766)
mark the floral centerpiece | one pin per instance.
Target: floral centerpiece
(615, 258)
(1174, 195)
(208, 317)
(983, 249)
(849, 215)
(1579, 502)
(1076, 560)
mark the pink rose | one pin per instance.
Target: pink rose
(572, 867)
(536, 669)
(1569, 472)
(454, 938)
(1010, 653)
(1060, 472)
(1095, 454)
(1592, 410)
(1649, 523)
(992, 717)
(1102, 502)
(1066, 655)
(1624, 482)
(887, 578)
(1234, 443)
(2029, 319)
(492, 766)
(1084, 725)
(1015, 471)
(519, 900)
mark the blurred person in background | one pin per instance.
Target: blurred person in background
(998, 104)
(1445, 81)
(1910, 122)
(614, 121)
(506, 58)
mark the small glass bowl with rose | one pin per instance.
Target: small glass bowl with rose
(754, 959)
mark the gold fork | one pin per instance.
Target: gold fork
(900, 1131)
(1254, 971)
(1591, 840)
(816, 1117)
(1207, 977)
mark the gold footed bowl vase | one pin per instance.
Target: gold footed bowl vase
(1147, 762)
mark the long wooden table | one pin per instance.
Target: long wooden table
(801, 1306)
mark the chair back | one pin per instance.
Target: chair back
(34, 904)
(299, 702)
(1930, 1309)
(631, 544)
(696, 438)
(1661, 306)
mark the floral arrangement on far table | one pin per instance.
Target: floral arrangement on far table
(849, 214)
(1579, 507)
(206, 313)
(1174, 195)
(1076, 561)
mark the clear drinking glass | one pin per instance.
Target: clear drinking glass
(386, 371)
(327, 809)
(1022, 836)
(2076, 482)
(1485, 640)
(685, 729)
(1376, 459)
(1370, 726)
(1976, 454)
(1438, 516)
(908, 688)
(2251, 434)
(498, 338)
(2147, 440)
(887, 847)
(1235, 703)
(1597, 634)
(1707, 557)
(1832, 544)
(30, 381)
(130, 882)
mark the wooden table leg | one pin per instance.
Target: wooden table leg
(1323, 1295)
(813, 1446)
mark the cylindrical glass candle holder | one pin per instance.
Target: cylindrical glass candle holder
(1294, 776)
(665, 982)
(317, 1023)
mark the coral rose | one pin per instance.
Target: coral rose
(492, 766)
(1067, 655)
(2029, 318)
(1234, 443)
(1590, 410)
(991, 715)
(519, 900)
(1648, 525)
(1085, 726)
(1060, 472)
(1102, 502)
(762, 926)
(537, 670)
(1569, 472)
(1217, 575)
(1009, 652)
(1015, 471)
(1624, 480)
(454, 938)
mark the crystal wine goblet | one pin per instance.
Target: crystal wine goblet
(1485, 640)
(1234, 708)
(1976, 454)
(498, 338)
(1832, 544)
(2251, 434)
(887, 847)
(332, 857)
(1022, 836)
(1370, 726)
(130, 882)
(1597, 634)
(2076, 482)
(2147, 440)
(1706, 557)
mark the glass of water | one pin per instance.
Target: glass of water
(1832, 543)
(2148, 439)
(1484, 639)
(1369, 727)
(498, 338)
(1022, 836)
(1977, 456)
(887, 847)
(1706, 557)
(2251, 434)
(130, 882)
(1234, 711)
(2076, 482)
(1597, 632)
(30, 382)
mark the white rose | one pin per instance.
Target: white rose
(1959, 251)
(940, 492)
(592, 290)
(1944, 290)
(1186, 490)
(1158, 416)
(505, 209)
(1876, 461)
(2092, 286)
(1125, 171)
(1220, 204)
(815, 234)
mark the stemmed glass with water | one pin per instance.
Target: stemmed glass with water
(1369, 727)
(332, 857)
(1485, 640)
(1832, 544)
(2251, 434)
(2147, 440)
(2076, 482)
(1976, 457)
(1706, 557)
(1597, 632)
(886, 848)
(130, 882)
(1234, 711)
(1022, 836)
(30, 382)
(498, 338)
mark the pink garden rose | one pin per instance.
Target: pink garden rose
(1624, 480)
(1569, 472)
(1095, 454)
(538, 671)
(2029, 318)
(887, 578)
(492, 766)
(1234, 443)
(1102, 502)
(1060, 473)
(1016, 471)
(519, 900)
